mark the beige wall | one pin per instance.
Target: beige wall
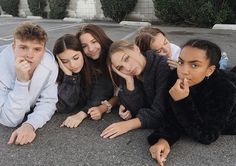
(91, 9)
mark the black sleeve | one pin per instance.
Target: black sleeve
(102, 89)
(170, 132)
(152, 117)
(68, 94)
(205, 121)
(132, 100)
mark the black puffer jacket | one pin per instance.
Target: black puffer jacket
(209, 110)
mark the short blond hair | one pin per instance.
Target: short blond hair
(30, 31)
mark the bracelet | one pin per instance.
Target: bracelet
(108, 105)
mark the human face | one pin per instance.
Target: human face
(128, 62)
(72, 60)
(91, 46)
(161, 45)
(31, 50)
(194, 65)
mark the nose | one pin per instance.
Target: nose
(127, 67)
(72, 64)
(184, 69)
(90, 47)
(29, 54)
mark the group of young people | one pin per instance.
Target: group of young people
(155, 84)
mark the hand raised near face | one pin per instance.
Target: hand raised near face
(129, 79)
(180, 90)
(22, 69)
(64, 68)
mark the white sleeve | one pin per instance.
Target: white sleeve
(46, 103)
(14, 103)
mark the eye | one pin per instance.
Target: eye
(64, 61)
(119, 68)
(22, 47)
(37, 49)
(180, 62)
(76, 58)
(158, 51)
(126, 58)
(94, 41)
(194, 66)
(84, 46)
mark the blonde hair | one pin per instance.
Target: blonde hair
(30, 31)
(117, 46)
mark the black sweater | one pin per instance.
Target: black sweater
(149, 98)
(72, 96)
(208, 111)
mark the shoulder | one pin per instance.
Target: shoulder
(175, 51)
(49, 61)
(223, 82)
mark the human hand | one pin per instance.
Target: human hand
(180, 90)
(124, 114)
(116, 129)
(96, 112)
(74, 120)
(23, 135)
(63, 67)
(160, 151)
(128, 78)
(172, 63)
(22, 69)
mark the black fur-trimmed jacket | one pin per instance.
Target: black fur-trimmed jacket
(73, 97)
(149, 98)
(208, 111)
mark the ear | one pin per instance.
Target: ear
(136, 48)
(14, 44)
(210, 70)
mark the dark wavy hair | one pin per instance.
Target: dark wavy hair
(97, 66)
(145, 36)
(213, 51)
(71, 42)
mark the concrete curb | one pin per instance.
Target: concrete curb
(225, 26)
(69, 19)
(134, 23)
(6, 15)
(34, 17)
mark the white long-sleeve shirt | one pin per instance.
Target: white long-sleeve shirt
(39, 95)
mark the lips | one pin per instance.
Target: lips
(133, 71)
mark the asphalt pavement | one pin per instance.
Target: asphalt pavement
(83, 146)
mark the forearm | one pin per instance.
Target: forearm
(133, 124)
(14, 104)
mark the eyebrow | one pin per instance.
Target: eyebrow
(71, 58)
(117, 67)
(194, 61)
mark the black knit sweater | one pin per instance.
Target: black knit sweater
(149, 98)
(208, 111)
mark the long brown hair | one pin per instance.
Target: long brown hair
(97, 66)
(145, 36)
(69, 41)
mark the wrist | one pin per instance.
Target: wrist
(82, 114)
(103, 108)
(134, 123)
(108, 105)
(28, 125)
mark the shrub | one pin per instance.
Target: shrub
(117, 9)
(194, 12)
(58, 8)
(37, 7)
(10, 6)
